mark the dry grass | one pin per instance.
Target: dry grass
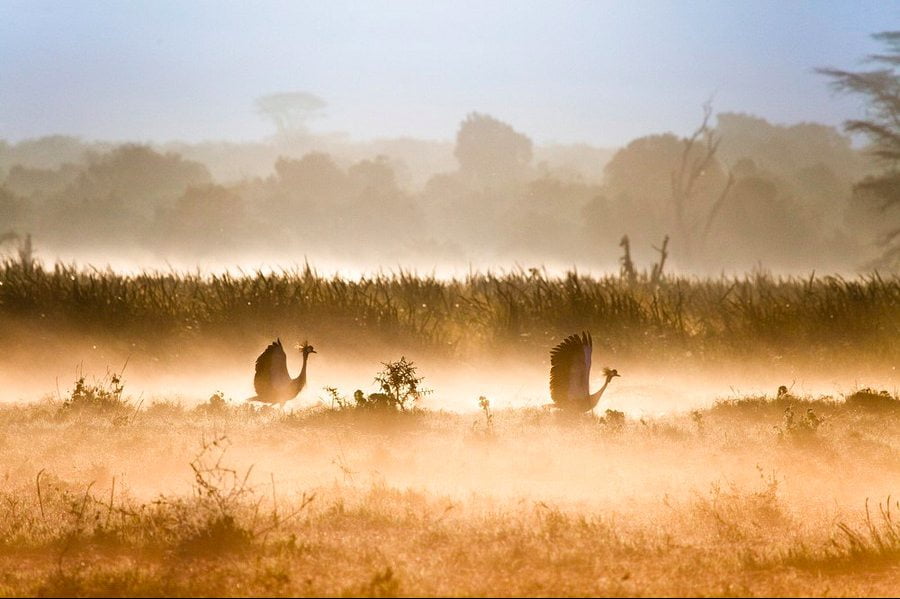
(103, 493)
(224, 499)
(756, 315)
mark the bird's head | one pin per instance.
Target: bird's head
(610, 373)
(306, 349)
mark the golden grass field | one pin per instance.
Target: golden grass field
(754, 496)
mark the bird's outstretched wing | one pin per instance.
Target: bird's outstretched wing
(271, 370)
(570, 369)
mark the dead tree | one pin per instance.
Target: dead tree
(717, 205)
(698, 155)
(627, 271)
(656, 273)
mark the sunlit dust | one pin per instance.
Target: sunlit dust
(449, 299)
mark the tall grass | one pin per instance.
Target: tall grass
(752, 313)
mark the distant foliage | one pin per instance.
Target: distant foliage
(779, 195)
(491, 150)
(869, 399)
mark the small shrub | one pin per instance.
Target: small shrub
(101, 397)
(613, 419)
(739, 513)
(215, 534)
(485, 404)
(697, 419)
(381, 401)
(869, 399)
(212, 521)
(384, 583)
(488, 431)
(217, 401)
(399, 385)
(216, 405)
(165, 410)
(798, 428)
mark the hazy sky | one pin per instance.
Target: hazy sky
(600, 72)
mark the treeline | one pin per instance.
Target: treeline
(733, 195)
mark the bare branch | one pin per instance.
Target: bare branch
(717, 205)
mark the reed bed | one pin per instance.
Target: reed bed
(750, 313)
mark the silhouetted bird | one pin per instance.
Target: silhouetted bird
(570, 370)
(272, 382)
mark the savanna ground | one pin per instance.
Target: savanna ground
(109, 490)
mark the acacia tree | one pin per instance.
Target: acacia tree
(290, 111)
(880, 87)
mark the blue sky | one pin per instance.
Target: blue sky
(598, 72)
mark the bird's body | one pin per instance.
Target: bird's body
(570, 371)
(272, 382)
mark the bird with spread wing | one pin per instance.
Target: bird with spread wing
(272, 382)
(570, 370)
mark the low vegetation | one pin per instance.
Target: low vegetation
(767, 495)
(107, 492)
(758, 314)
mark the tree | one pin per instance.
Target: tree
(14, 209)
(203, 219)
(137, 175)
(316, 174)
(115, 197)
(290, 110)
(670, 185)
(488, 149)
(881, 89)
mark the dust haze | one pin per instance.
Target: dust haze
(754, 194)
(741, 275)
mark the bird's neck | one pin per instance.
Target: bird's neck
(595, 397)
(300, 381)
